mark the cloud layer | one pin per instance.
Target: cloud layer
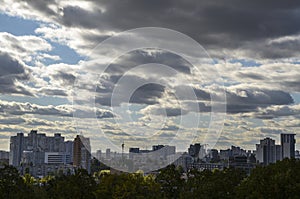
(254, 47)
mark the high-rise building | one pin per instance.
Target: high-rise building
(69, 149)
(98, 154)
(82, 153)
(35, 144)
(38, 153)
(107, 154)
(194, 150)
(278, 151)
(266, 151)
(288, 145)
(163, 150)
(4, 154)
(132, 152)
(214, 155)
(16, 149)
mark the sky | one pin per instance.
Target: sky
(60, 71)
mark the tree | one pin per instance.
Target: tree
(171, 181)
(212, 184)
(79, 185)
(127, 186)
(280, 180)
(12, 185)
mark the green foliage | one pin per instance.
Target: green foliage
(171, 181)
(127, 186)
(79, 185)
(212, 184)
(280, 180)
(12, 184)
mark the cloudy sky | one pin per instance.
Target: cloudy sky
(52, 67)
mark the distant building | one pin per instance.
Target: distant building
(214, 155)
(98, 154)
(232, 152)
(288, 145)
(16, 149)
(157, 147)
(297, 154)
(164, 151)
(82, 153)
(107, 154)
(241, 162)
(57, 158)
(69, 149)
(34, 145)
(206, 166)
(4, 154)
(225, 154)
(266, 151)
(133, 151)
(4, 158)
(194, 150)
(39, 154)
(158, 151)
(278, 152)
(185, 161)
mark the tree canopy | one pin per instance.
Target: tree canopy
(280, 180)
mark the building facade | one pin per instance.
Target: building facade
(288, 145)
(39, 154)
(82, 153)
(266, 151)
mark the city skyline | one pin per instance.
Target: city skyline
(42, 155)
(86, 142)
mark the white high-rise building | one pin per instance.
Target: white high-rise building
(38, 153)
(266, 151)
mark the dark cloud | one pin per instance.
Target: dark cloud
(104, 114)
(12, 71)
(170, 128)
(211, 23)
(53, 92)
(66, 78)
(140, 57)
(172, 112)
(277, 111)
(13, 121)
(183, 92)
(216, 24)
(251, 76)
(99, 114)
(272, 130)
(147, 94)
(116, 133)
(43, 6)
(248, 100)
(167, 135)
(258, 102)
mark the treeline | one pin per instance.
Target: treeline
(280, 180)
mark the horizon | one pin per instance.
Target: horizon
(93, 151)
